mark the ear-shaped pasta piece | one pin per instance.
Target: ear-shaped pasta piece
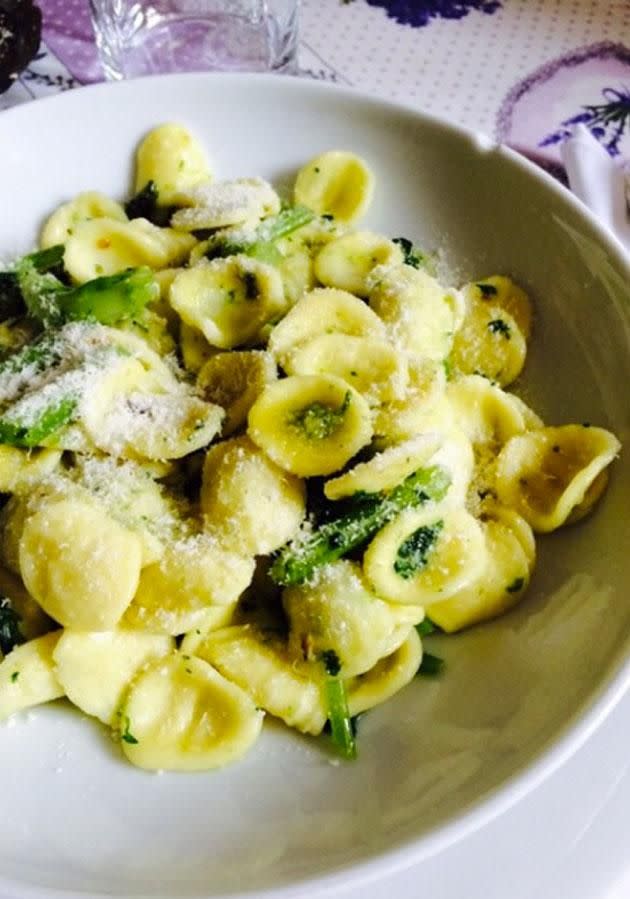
(159, 375)
(500, 586)
(194, 348)
(234, 381)
(80, 565)
(181, 715)
(193, 574)
(21, 470)
(371, 366)
(105, 246)
(295, 267)
(425, 555)
(498, 290)
(228, 300)
(323, 311)
(173, 159)
(12, 518)
(225, 203)
(388, 676)
(456, 455)
(422, 409)
(240, 486)
(27, 675)
(487, 414)
(348, 261)
(95, 668)
(310, 424)
(124, 416)
(547, 474)
(335, 183)
(386, 469)
(259, 663)
(340, 612)
(414, 306)
(84, 207)
(509, 518)
(489, 343)
(214, 618)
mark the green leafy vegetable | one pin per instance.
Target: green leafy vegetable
(487, 290)
(498, 326)
(319, 421)
(430, 666)
(362, 516)
(413, 256)
(15, 676)
(261, 244)
(341, 726)
(109, 299)
(426, 627)
(126, 734)
(331, 662)
(145, 204)
(516, 585)
(10, 633)
(11, 299)
(413, 553)
(19, 432)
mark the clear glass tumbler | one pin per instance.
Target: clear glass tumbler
(145, 37)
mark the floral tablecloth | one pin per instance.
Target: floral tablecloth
(523, 71)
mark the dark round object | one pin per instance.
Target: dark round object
(20, 36)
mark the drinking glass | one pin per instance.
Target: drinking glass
(145, 37)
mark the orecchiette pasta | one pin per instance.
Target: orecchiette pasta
(253, 454)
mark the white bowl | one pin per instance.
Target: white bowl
(518, 696)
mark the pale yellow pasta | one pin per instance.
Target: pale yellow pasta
(125, 416)
(547, 474)
(95, 668)
(21, 470)
(105, 246)
(228, 300)
(86, 206)
(310, 424)
(386, 469)
(371, 366)
(234, 381)
(348, 261)
(173, 159)
(182, 715)
(415, 309)
(323, 311)
(194, 348)
(489, 343)
(241, 202)
(193, 574)
(495, 511)
(425, 555)
(339, 611)
(498, 290)
(456, 456)
(295, 267)
(486, 413)
(214, 618)
(421, 409)
(388, 676)
(335, 183)
(80, 565)
(27, 675)
(258, 661)
(239, 488)
(500, 586)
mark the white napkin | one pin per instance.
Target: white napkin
(598, 181)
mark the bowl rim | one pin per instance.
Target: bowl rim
(616, 680)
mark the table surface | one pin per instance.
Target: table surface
(523, 71)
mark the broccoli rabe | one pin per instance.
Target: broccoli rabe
(415, 257)
(107, 300)
(12, 302)
(17, 431)
(261, 244)
(361, 517)
(10, 633)
(341, 725)
(145, 204)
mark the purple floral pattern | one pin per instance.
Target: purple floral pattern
(606, 121)
(418, 15)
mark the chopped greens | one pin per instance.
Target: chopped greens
(413, 256)
(19, 432)
(10, 633)
(126, 734)
(516, 585)
(413, 553)
(318, 421)
(145, 204)
(487, 290)
(426, 627)
(362, 516)
(11, 299)
(261, 244)
(109, 299)
(430, 666)
(331, 662)
(499, 326)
